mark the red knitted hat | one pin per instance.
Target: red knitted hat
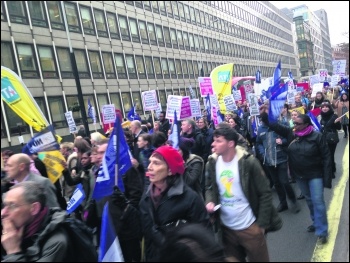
(172, 158)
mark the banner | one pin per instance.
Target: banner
(180, 104)
(71, 123)
(149, 100)
(205, 86)
(17, 96)
(339, 67)
(53, 162)
(230, 103)
(76, 199)
(221, 78)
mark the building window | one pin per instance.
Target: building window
(73, 105)
(195, 69)
(155, 7)
(82, 65)
(113, 26)
(139, 4)
(159, 32)
(124, 29)
(7, 59)
(140, 67)
(143, 32)
(165, 68)
(186, 41)
(100, 23)
(149, 67)
(175, 10)
(181, 11)
(191, 38)
(147, 5)
(180, 40)
(17, 12)
(115, 99)
(185, 69)
(162, 98)
(95, 63)
(167, 37)
(72, 17)
(27, 61)
(121, 70)
(15, 123)
(57, 112)
(86, 18)
(192, 15)
(162, 7)
(134, 31)
(55, 14)
(173, 37)
(126, 98)
(137, 101)
(187, 13)
(108, 63)
(169, 9)
(3, 18)
(157, 68)
(201, 43)
(206, 44)
(178, 69)
(65, 62)
(151, 32)
(47, 62)
(190, 68)
(130, 63)
(37, 13)
(172, 70)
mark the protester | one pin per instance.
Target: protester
(188, 130)
(164, 123)
(168, 201)
(236, 181)
(342, 106)
(310, 163)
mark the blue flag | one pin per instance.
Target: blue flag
(132, 115)
(174, 137)
(91, 111)
(42, 141)
(290, 75)
(220, 116)
(76, 199)
(276, 81)
(117, 154)
(110, 250)
(258, 77)
(314, 121)
(254, 128)
(208, 107)
(276, 103)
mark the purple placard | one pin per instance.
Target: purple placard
(185, 108)
(205, 86)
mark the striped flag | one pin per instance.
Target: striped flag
(314, 121)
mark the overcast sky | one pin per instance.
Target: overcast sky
(337, 12)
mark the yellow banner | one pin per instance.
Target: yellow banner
(17, 96)
(299, 109)
(53, 163)
(221, 79)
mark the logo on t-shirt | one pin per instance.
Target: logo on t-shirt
(226, 178)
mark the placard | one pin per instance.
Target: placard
(248, 86)
(253, 104)
(205, 86)
(180, 104)
(237, 95)
(196, 108)
(323, 73)
(339, 67)
(316, 88)
(314, 79)
(230, 103)
(108, 113)
(70, 120)
(149, 100)
(335, 80)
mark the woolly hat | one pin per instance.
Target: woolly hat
(172, 158)
(325, 84)
(186, 144)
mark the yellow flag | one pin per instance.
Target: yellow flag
(221, 79)
(17, 96)
(299, 109)
(53, 163)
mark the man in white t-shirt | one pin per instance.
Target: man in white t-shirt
(236, 180)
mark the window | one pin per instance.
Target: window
(82, 66)
(205, 68)
(17, 12)
(185, 68)
(157, 68)
(57, 111)
(55, 14)
(162, 98)
(173, 37)
(115, 99)
(165, 68)
(65, 62)
(121, 70)
(191, 41)
(180, 40)
(178, 69)
(155, 7)
(143, 32)
(172, 70)
(73, 105)
(15, 123)
(195, 69)
(27, 61)
(181, 11)
(192, 15)
(149, 67)
(206, 44)
(187, 13)
(100, 23)
(124, 29)
(7, 59)
(201, 43)
(134, 30)
(162, 7)
(147, 5)
(126, 98)
(169, 9)
(186, 40)
(140, 67)
(96, 66)
(190, 68)
(108, 63)
(37, 13)
(196, 42)
(47, 62)
(175, 10)
(137, 101)
(72, 17)
(167, 37)
(159, 32)
(113, 26)
(152, 34)
(87, 20)
(130, 64)
(139, 4)
(198, 19)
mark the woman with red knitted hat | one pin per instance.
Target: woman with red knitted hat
(168, 201)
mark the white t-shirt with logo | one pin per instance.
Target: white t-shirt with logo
(236, 212)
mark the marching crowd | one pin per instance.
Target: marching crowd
(210, 200)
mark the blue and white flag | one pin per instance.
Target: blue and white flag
(258, 77)
(192, 93)
(276, 81)
(116, 155)
(220, 117)
(174, 137)
(76, 199)
(133, 115)
(290, 75)
(91, 111)
(276, 103)
(314, 121)
(254, 128)
(110, 250)
(42, 141)
(208, 108)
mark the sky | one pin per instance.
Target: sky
(337, 12)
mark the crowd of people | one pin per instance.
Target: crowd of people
(209, 199)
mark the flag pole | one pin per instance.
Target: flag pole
(117, 152)
(152, 114)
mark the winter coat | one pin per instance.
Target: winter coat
(208, 137)
(200, 144)
(179, 202)
(308, 156)
(327, 122)
(255, 187)
(194, 168)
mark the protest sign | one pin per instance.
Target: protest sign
(195, 108)
(70, 121)
(108, 114)
(230, 103)
(149, 99)
(180, 104)
(205, 86)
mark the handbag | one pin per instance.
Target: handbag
(332, 137)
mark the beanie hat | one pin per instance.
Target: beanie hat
(172, 158)
(325, 84)
(186, 144)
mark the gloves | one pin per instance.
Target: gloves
(118, 198)
(264, 118)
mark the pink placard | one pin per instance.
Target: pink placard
(185, 108)
(205, 86)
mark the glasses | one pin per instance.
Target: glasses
(297, 123)
(12, 206)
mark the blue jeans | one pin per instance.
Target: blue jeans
(312, 189)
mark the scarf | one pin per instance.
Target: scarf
(34, 226)
(158, 193)
(309, 129)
